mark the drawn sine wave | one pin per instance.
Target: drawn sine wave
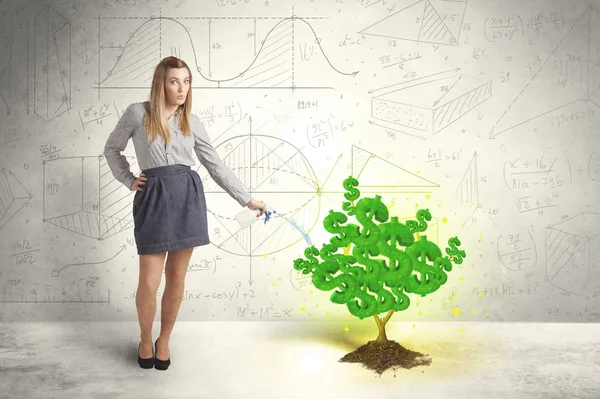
(151, 26)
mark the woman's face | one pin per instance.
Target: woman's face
(176, 86)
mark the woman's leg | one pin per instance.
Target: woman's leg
(151, 269)
(175, 272)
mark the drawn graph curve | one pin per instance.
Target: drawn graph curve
(272, 67)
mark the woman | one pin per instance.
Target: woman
(169, 207)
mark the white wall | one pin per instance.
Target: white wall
(484, 112)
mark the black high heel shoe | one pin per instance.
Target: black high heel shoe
(145, 363)
(160, 364)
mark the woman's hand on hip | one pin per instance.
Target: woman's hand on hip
(139, 182)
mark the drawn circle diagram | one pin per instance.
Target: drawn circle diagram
(274, 171)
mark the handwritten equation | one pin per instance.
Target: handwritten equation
(527, 174)
(512, 25)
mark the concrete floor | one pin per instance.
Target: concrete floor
(299, 360)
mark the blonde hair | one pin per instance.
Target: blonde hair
(156, 121)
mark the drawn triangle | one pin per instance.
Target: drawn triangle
(17, 190)
(56, 21)
(375, 174)
(451, 13)
(468, 188)
(560, 80)
(404, 24)
(433, 28)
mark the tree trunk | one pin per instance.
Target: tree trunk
(381, 337)
(381, 326)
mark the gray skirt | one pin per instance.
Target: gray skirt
(169, 213)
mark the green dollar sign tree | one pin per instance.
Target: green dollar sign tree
(380, 262)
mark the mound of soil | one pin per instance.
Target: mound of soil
(382, 355)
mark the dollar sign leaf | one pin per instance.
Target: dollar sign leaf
(366, 210)
(333, 223)
(394, 236)
(350, 185)
(353, 193)
(347, 206)
(420, 225)
(426, 281)
(456, 254)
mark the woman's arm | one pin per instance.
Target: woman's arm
(116, 143)
(220, 173)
